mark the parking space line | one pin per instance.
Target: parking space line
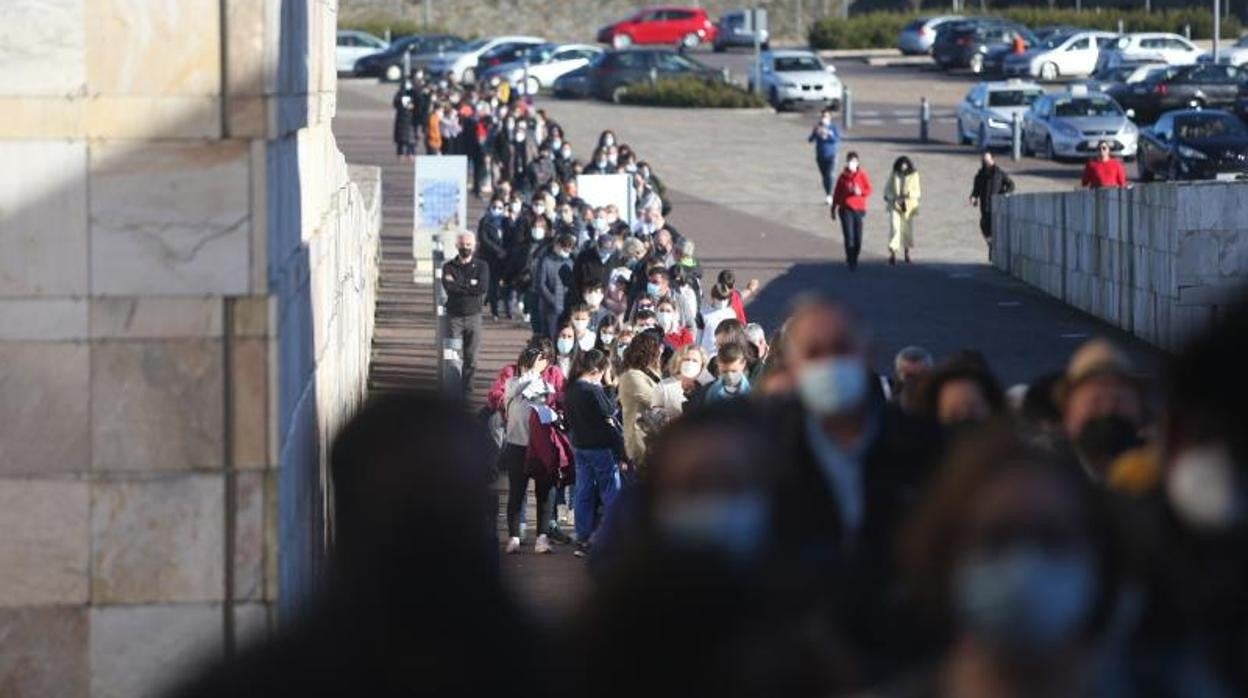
(908, 120)
(871, 122)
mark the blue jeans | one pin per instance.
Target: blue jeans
(851, 230)
(827, 172)
(597, 480)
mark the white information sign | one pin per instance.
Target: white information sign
(602, 189)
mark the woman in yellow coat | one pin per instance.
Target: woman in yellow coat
(901, 194)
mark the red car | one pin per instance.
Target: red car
(680, 26)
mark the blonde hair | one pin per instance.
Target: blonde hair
(673, 364)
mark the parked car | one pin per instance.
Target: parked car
(732, 31)
(1071, 123)
(462, 63)
(963, 44)
(1236, 53)
(1061, 55)
(985, 115)
(1177, 87)
(1193, 144)
(1047, 32)
(917, 37)
(576, 84)
(546, 64)
(610, 77)
(1105, 79)
(354, 45)
(388, 64)
(674, 26)
(1170, 49)
(794, 77)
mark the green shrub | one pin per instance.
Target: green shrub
(378, 24)
(880, 29)
(691, 92)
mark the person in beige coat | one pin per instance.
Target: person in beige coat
(642, 373)
(901, 194)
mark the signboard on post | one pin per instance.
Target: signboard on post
(441, 205)
(603, 189)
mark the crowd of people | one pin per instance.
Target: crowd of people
(769, 515)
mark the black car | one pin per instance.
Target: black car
(612, 75)
(965, 43)
(1201, 85)
(506, 53)
(1193, 144)
(388, 64)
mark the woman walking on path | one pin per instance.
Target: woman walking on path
(826, 138)
(901, 193)
(849, 203)
(405, 102)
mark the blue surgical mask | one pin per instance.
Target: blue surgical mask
(652, 289)
(833, 385)
(1024, 599)
(564, 345)
(734, 525)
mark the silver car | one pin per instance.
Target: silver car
(916, 38)
(985, 116)
(796, 77)
(1070, 124)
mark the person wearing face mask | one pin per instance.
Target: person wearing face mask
(450, 126)
(566, 224)
(718, 311)
(685, 384)
(616, 299)
(466, 280)
(554, 281)
(827, 138)
(599, 164)
(524, 264)
(686, 292)
(1015, 563)
(756, 350)
(642, 372)
(606, 139)
(525, 390)
(960, 393)
(522, 154)
(608, 330)
(732, 382)
(901, 194)
(593, 297)
(492, 236)
(595, 263)
(503, 150)
(579, 317)
(564, 161)
(597, 443)
(433, 132)
(675, 334)
(849, 205)
(541, 171)
(1102, 402)
(405, 102)
(566, 348)
(850, 468)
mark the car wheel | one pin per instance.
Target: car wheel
(1049, 151)
(1048, 72)
(963, 139)
(690, 40)
(393, 73)
(1142, 172)
(621, 41)
(618, 92)
(532, 86)
(976, 64)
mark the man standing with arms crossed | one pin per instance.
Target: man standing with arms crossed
(466, 280)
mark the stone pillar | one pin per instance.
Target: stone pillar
(186, 285)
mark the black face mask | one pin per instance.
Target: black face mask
(465, 252)
(1103, 439)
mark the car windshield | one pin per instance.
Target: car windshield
(474, 45)
(794, 64)
(1055, 41)
(1013, 98)
(1202, 126)
(1085, 107)
(675, 62)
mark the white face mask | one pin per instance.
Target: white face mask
(667, 320)
(539, 210)
(520, 136)
(580, 325)
(608, 141)
(566, 153)
(733, 378)
(593, 299)
(607, 338)
(852, 165)
(587, 341)
(564, 345)
(826, 121)
(538, 233)
(515, 207)
(556, 144)
(833, 385)
(690, 368)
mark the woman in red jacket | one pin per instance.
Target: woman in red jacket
(849, 200)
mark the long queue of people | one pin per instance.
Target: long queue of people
(768, 515)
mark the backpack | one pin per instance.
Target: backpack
(549, 453)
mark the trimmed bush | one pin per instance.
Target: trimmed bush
(691, 92)
(880, 29)
(378, 24)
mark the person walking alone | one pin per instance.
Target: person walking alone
(466, 280)
(901, 193)
(827, 139)
(990, 180)
(849, 203)
(1104, 170)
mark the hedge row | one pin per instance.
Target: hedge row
(880, 29)
(691, 92)
(378, 24)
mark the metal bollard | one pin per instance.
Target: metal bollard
(727, 75)
(654, 77)
(1016, 137)
(847, 109)
(925, 119)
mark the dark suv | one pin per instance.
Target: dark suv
(964, 44)
(612, 75)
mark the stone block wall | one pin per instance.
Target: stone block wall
(1156, 260)
(187, 275)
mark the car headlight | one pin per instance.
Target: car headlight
(1065, 129)
(1192, 153)
(997, 123)
(1130, 129)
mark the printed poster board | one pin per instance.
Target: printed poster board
(602, 189)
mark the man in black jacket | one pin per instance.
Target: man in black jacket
(492, 236)
(990, 180)
(852, 470)
(595, 263)
(466, 280)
